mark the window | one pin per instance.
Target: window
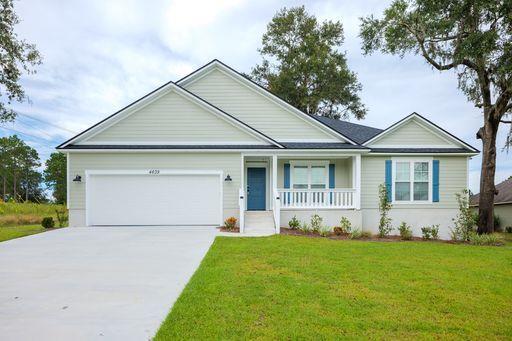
(412, 180)
(309, 175)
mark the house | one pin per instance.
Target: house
(215, 144)
(502, 203)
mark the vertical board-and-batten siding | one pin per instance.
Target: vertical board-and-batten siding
(413, 134)
(452, 180)
(173, 118)
(253, 108)
(229, 163)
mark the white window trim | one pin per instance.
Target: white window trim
(309, 164)
(411, 180)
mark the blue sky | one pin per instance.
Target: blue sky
(101, 55)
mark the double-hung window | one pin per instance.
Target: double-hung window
(412, 180)
(309, 174)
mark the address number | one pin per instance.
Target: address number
(154, 171)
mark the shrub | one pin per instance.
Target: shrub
(62, 216)
(426, 233)
(497, 223)
(345, 224)
(230, 223)
(484, 239)
(304, 227)
(434, 231)
(316, 223)
(325, 231)
(366, 234)
(48, 222)
(508, 229)
(464, 222)
(356, 234)
(405, 231)
(384, 206)
(294, 223)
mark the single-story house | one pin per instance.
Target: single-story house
(214, 144)
(502, 203)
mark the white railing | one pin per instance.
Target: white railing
(277, 210)
(317, 198)
(241, 204)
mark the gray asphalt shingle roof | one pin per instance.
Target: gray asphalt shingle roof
(504, 193)
(356, 132)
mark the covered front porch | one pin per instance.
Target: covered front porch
(274, 182)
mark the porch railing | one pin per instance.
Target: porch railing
(317, 198)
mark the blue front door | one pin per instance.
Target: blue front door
(256, 189)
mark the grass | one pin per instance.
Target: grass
(13, 214)
(12, 232)
(288, 287)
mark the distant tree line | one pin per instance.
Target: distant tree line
(21, 179)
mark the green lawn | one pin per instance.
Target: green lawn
(11, 232)
(286, 287)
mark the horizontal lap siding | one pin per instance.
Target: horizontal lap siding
(229, 163)
(452, 180)
(253, 108)
(411, 134)
(173, 118)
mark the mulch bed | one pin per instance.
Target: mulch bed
(224, 229)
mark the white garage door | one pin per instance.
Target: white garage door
(154, 199)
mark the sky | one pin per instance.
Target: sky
(99, 56)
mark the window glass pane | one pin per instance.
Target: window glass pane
(402, 171)
(300, 177)
(318, 177)
(421, 191)
(402, 191)
(421, 171)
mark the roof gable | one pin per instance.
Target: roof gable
(253, 104)
(171, 115)
(415, 131)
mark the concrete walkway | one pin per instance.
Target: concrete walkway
(105, 283)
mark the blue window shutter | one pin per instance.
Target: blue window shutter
(389, 181)
(331, 176)
(286, 175)
(435, 181)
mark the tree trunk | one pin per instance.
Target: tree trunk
(14, 188)
(487, 190)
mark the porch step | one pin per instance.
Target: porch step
(259, 223)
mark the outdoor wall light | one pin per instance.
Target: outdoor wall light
(228, 178)
(77, 178)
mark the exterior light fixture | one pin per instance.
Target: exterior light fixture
(228, 178)
(77, 178)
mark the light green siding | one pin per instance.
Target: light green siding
(173, 118)
(342, 172)
(452, 179)
(229, 163)
(411, 133)
(253, 108)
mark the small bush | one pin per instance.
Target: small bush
(356, 234)
(430, 232)
(230, 223)
(345, 225)
(366, 234)
(384, 206)
(48, 223)
(465, 221)
(325, 231)
(294, 223)
(405, 231)
(497, 223)
(305, 227)
(62, 216)
(508, 229)
(316, 223)
(484, 239)
(338, 230)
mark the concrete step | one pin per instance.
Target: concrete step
(259, 223)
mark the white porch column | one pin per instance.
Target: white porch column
(276, 207)
(241, 194)
(356, 180)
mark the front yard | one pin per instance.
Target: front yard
(288, 287)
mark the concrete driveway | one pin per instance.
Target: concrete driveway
(108, 283)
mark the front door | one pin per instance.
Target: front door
(256, 188)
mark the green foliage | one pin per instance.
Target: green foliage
(13, 214)
(305, 227)
(48, 223)
(325, 231)
(345, 224)
(356, 234)
(464, 222)
(55, 176)
(17, 56)
(303, 64)
(62, 216)
(384, 207)
(430, 232)
(316, 223)
(485, 239)
(508, 229)
(294, 223)
(405, 231)
(497, 223)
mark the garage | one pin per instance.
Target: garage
(153, 197)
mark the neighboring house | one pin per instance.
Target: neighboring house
(502, 203)
(215, 144)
